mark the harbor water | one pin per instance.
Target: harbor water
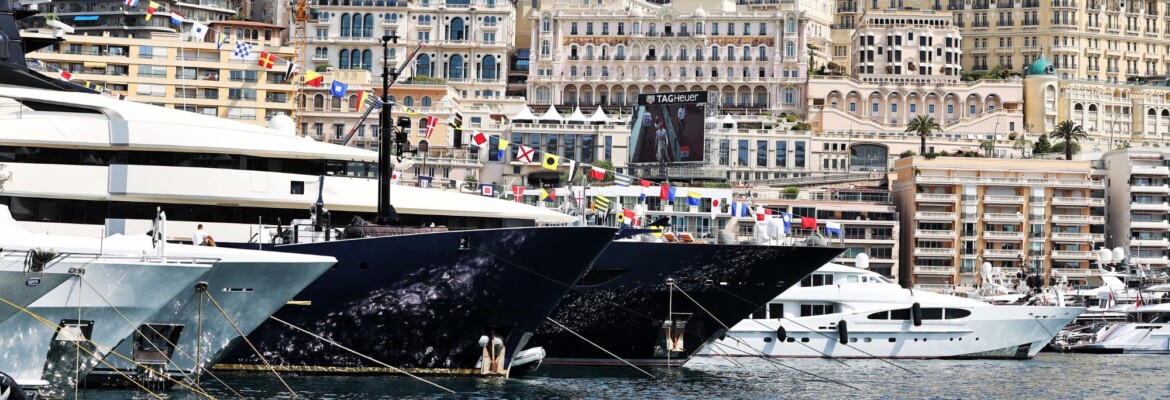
(1049, 376)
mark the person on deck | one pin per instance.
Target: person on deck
(202, 238)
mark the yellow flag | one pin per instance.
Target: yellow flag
(551, 161)
(503, 144)
(409, 111)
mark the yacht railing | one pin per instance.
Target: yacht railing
(86, 258)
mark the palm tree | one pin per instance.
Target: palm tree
(1071, 133)
(923, 125)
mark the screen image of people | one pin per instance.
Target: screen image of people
(669, 128)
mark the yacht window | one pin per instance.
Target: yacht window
(956, 313)
(817, 280)
(932, 313)
(902, 314)
(851, 279)
(808, 310)
(775, 310)
(880, 315)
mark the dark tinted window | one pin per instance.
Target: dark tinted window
(956, 313)
(932, 313)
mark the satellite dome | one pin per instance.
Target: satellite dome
(283, 124)
(861, 260)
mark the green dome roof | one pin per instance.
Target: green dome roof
(1040, 67)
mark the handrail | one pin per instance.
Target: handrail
(96, 257)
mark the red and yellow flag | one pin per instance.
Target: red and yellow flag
(267, 60)
(150, 9)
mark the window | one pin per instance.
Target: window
(742, 152)
(817, 280)
(781, 154)
(761, 153)
(423, 65)
(546, 24)
(808, 310)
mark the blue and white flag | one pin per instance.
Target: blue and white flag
(833, 228)
(338, 89)
(786, 218)
(739, 209)
(243, 50)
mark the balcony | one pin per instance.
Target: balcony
(1150, 170)
(1004, 217)
(935, 198)
(1077, 201)
(1072, 255)
(1071, 272)
(1149, 224)
(1147, 188)
(1136, 206)
(934, 216)
(1003, 199)
(1149, 242)
(1072, 237)
(1078, 219)
(1001, 253)
(1149, 260)
(934, 252)
(932, 270)
(1001, 235)
(933, 234)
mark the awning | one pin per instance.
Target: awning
(524, 115)
(552, 115)
(598, 116)
(85, 18)
(94, 64)
(577, 116)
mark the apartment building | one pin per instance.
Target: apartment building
(114, 18)
(868, 219)
(754, 56)
(1038, 216)
(1138, 203)
(168, 71)
(466, 42)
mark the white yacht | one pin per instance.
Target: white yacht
(106, 298)
(191, 331)
(846, 312)
(1148, 329)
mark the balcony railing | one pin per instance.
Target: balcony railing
(923, 269)
(1003, 235)
(1003, 199)
(1075, 255)
(923, 251)
(934, 215)
(934, 233)
(1004, 217)
(1002, 253)
(935, 198)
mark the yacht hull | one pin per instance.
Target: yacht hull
(1004, 332)
(247, 291)
(1136, 338)
(15, 288)
(623, 304)
(421, 303)
(134, 292)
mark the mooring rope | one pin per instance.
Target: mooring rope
(77, 342)
(355, 352)
(599, 347)
(249, 342)
(680, 290)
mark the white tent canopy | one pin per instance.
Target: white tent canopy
(525, 114)
(577, 116)
(552, 115)
(598, 116)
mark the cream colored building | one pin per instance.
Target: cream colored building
(1041, 216)
(1138, 190)
(905, 64)
(187, 75)
(754, 56)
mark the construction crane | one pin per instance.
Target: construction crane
(299, 36)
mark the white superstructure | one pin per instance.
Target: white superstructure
(847, 312)
(92, 165)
